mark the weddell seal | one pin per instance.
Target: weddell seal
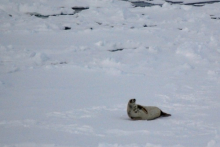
(138, 112)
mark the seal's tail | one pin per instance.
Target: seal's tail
(165, 114)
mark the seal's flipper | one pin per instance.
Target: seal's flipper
(165, 114)
(142, 108)
(136, 118)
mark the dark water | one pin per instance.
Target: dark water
(76, 10)
(135, 4)
(79, 9)
(202, 3)
(150, 3)
(144, 4)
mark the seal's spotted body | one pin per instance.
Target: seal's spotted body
(138, 112)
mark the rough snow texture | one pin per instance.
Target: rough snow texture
(70, 88)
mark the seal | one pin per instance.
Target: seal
(139, 112)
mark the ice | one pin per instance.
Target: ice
(66, 74)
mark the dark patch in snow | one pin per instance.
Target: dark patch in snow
(79, 9)
(144, 4)
(202, 3)
(39, 15)
(147, 4)
(171, 2)
(62, 62)
(46, 16)
(214, 17)
(149, 26)
(196, 4)
(121, 49)
(115, 50)
(99, 23)
(67, 28)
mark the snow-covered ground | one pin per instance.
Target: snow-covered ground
(65, 80)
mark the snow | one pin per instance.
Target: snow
(70, 88)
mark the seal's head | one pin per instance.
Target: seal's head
(132, 108)
(132, 101)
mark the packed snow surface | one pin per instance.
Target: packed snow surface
(66, 75)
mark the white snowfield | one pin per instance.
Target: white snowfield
(66, 76)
